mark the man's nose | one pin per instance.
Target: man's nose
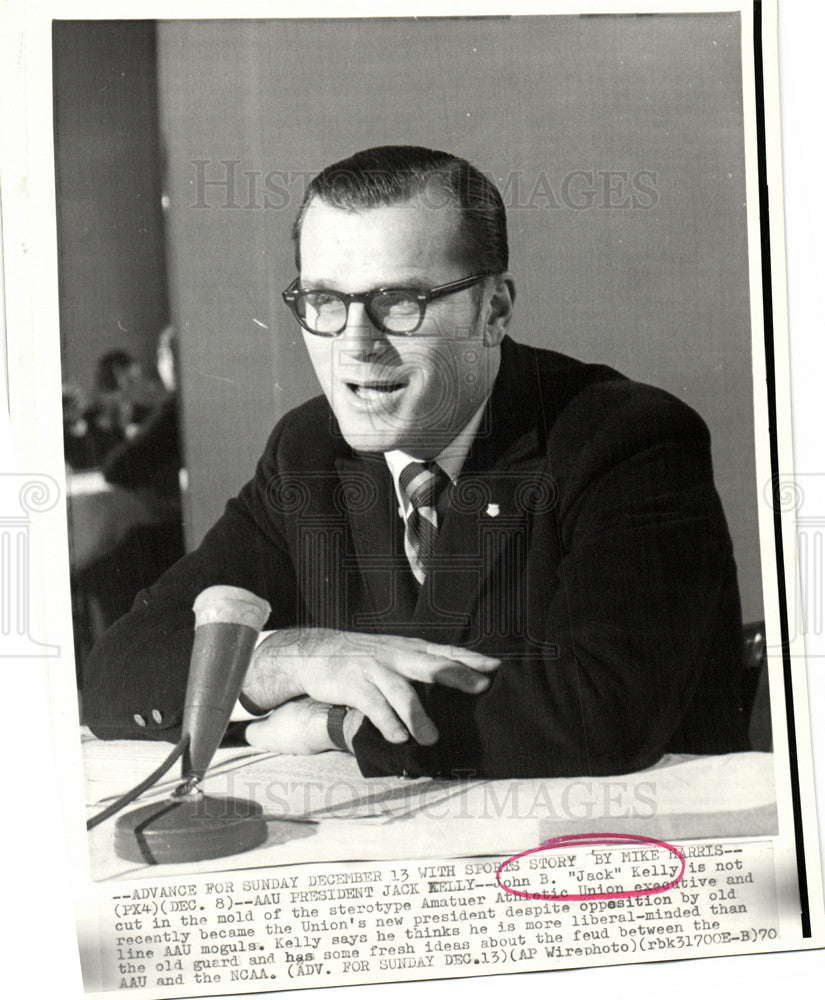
(361, 339)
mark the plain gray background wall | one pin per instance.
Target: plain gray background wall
(111, 261)
(617, 142)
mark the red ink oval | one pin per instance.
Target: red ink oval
(594, 840)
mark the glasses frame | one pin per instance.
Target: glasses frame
(290, 296)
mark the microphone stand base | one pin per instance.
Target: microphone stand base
(193, 828)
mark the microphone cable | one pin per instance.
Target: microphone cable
(133, 793)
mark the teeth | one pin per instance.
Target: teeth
(372, 391)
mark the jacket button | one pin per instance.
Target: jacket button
(139, 719)
(157, 715)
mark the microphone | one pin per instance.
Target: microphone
(191, 826)
(227, 623)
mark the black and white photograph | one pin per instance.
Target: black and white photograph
(433, 566)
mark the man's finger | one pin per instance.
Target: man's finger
(406, 705)
(255, 734)
(374, 705)
(453, 675)
(267, 734)
(478, 661)
(429, 669)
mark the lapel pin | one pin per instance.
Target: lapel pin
(493, 510)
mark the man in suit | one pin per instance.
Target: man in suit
(482, 558)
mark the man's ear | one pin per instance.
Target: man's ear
(498, 309)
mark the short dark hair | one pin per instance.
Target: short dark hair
(388, 175)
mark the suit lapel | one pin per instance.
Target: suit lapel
(485, 531)
(369, 499)
(484, 535)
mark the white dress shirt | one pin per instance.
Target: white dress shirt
(451, 459)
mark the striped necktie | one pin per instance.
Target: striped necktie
(422, 483)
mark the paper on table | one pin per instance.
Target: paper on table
(320, 808)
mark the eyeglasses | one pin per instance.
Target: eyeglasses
(392, 310)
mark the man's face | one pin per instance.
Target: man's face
(390, 391)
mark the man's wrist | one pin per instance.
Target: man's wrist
(319, 726)
(351, 725)
(336, 714)
(268, 681)
(298, 727)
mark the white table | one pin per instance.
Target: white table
(320, 808)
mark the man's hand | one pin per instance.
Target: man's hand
(371, 673)
(297, 727)
(300, 727)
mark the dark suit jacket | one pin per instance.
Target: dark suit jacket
(584, 544)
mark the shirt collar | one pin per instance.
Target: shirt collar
(451, 459)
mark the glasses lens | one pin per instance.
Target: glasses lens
(397, 310)
(322, 312)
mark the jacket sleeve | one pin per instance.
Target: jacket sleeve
(134, 681)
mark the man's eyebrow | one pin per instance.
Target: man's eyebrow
(312, 285)
(411, 284)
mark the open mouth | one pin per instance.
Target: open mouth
(374, 390)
